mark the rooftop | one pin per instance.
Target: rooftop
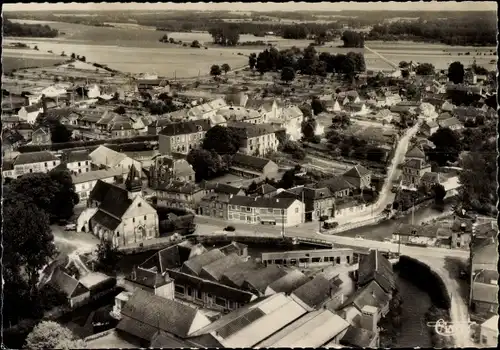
(34, 157)
(262, 202)
(289, 282)
(316, 291)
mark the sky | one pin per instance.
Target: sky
(289, 6)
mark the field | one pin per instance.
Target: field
(135, 49)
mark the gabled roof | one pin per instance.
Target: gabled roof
(64, 282)
(449, 122)
(371, 294)
(316, 291)
(76, 156)
(245, 161)
(148, 278)
(415, 163)
(357, 171)
(235, 275)
(220, 188)
(216, 269)
(290, 282)
(150, 311)
(248, 130)
(103, 155)
(261, 279)
(34, 157)
(33, 108)
(375, 266)
(357, 337)
(335, 184)
(415, 152)
(196, 264)
(265, 189)
(187, 127)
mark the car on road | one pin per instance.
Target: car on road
(229, 228)
(359, 237)
(70, 227)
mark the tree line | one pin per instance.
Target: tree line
(308, 62)
(475, 30)
(28, 30)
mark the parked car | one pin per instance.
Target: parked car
(330, 224)
(359, 237)
(229, 228)
(70, 227)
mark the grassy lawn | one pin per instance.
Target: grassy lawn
(10, 63)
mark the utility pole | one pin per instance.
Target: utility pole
(283, 223)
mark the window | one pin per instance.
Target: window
(190, 291)
(316, 260)
(303, 260)
(54, 163)
(45, 164)
(79, 164)
(179, 289)
(278, 261)
(139, 205)
(220, 301)
(296, 210)
(199, 295)
(338, 260)
(249, 209)
(145, 217)
(133, 219)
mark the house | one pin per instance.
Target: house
(25, 129)
(215, 205)
(150, 281)
(194, 265)
(464, 88)
(178, 194)
(66, 116)
(11, 140)
(451, 123)
(208, 294)
(173, 257)
(236, 275)
(181, 137)
(250, 166)
(376, 267)
(348, 97)
(122, 215)
(313, 330)
(236, 114)
(54, 91)
(418, 234)
(206, 110)
(106, 158)
(468, 114)
(215, 270)
(484, 278)
(348, 206)
(384, 115)
(285, 212)
(315, 293)
(390, 98)
(360, 338)
(470, 77)
(74, 290)
(290, 120)
(77, 162)
(257, 140)
(166, 169)
(308, 258)
(489, 332)
(428, 128)
(40, 136)
(271, 109)
(413, 170)
(30, 113)
(337, 185)
(432, 178)
(146, 157)
(258, 281)
(358, 108)
(264, 190)
(93, 91)
(145, 314)
(34, 162)
(85, 182)
(358, 176)
(415, 153)
(251, 324)
(237, 99)
(319, 202)
(10, 122)
(288, 283)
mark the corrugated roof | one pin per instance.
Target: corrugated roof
(262, 278)
(316, 292)
(236, 274)
(311, 330)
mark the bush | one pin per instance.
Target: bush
(229, 228)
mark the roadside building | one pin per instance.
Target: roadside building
(179, 194)
(484, 278)
(34, 162)
(194, 265)
(249, 166)
(319, 202)
(432, 178)
(428, 128)
(376, 267)
(150, 281)
(122, 215)
(284, 212)
(309, 258)
(337, 185)
(257, 140)
(73, 289)
(426, 235)
(25, 130)
(451, 123)
(85, 182)
(489, 332)
(413, 170)
(358, 176)
(181, 137)
(165, 170)
(415, 152)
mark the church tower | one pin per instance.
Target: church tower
(133, 183)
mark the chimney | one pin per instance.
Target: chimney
(369, 318)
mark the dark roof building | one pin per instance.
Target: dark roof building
(258, 282)
(34, 157)
(288, 283)
(316, 292)
(214, 270)
(235, 275)
(262, 202)
(195, 265)
(184, 128)
(375, 267)
(358, 338)
(244, 161)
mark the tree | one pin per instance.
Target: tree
(252, 187)
(294, 148)
(73, 56)
(404, 65)
(287, 74)
(317, 106)
(83, 59)
(164, 39)
(215, 71)
(439, 193)
(456, 72)
(195, 44)
(222, 140)
(36, 48)
(24, 252)
(341, 122)
(107, 256)
(425, 69)
(262, 66)
(353, 39)
(120, 110)
(225, 67)
(447, 144)
(225, 35)
(308, 128)
(51, 335)
(252, 60)
(59, 133)
(65, 198)
(412, 93)
(206, 164)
